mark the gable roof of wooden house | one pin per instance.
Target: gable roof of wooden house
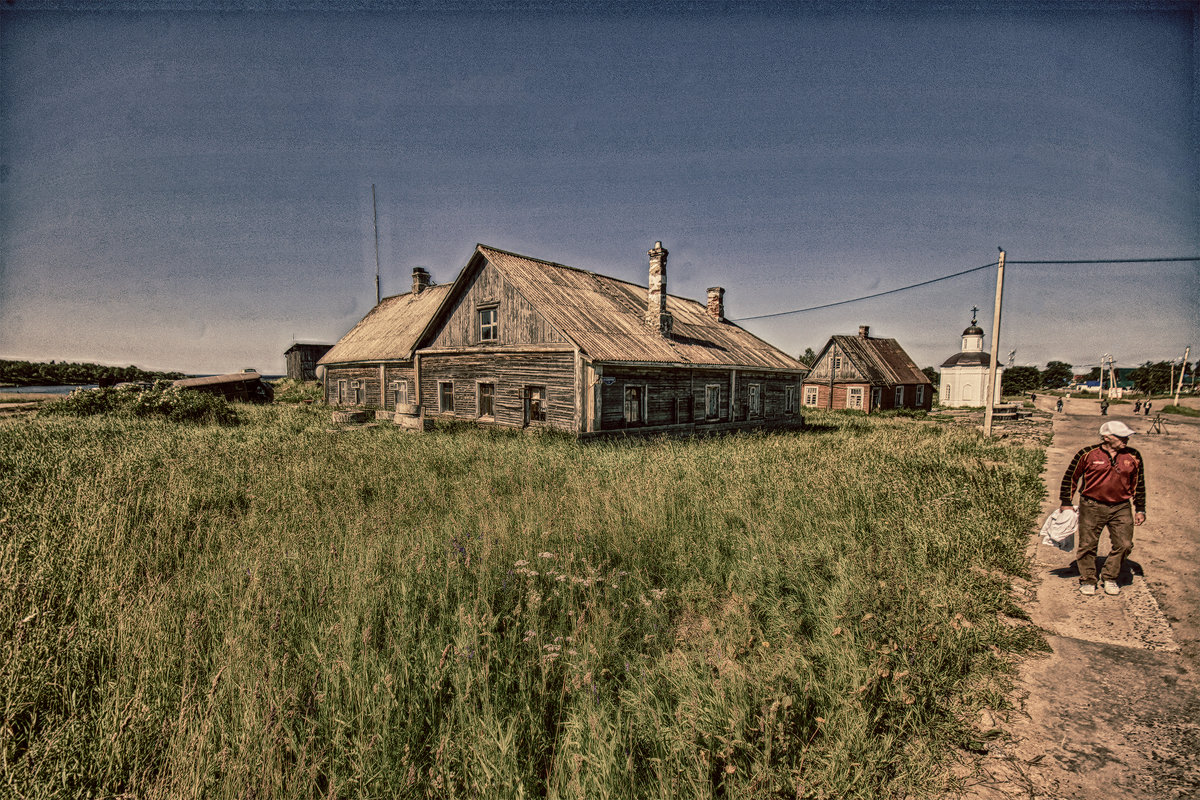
(879, 361)
(605, 317)
(390, 331)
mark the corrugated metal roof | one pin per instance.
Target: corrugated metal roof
(604, 317)
(389, 332)
(883, 361)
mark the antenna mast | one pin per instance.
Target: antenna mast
(375, 223)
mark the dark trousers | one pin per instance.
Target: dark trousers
(1093, 517)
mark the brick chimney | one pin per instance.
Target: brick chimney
(716, 302)
(420, 280)
(657, 316)
(864, 331)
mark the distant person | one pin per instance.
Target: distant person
(1104, 408)
(1137, 406)
(1148, 404)
(1058, 406)
(1033, 397)
(1110, 477)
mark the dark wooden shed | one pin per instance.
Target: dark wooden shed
(302, 358)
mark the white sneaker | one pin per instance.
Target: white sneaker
(1110, 587)
(1087, 588)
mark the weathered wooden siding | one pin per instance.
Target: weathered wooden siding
(677, 396)
(520, 324)
(823, 367)
(375, 392)
(510, 373)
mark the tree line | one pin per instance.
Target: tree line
(1152, 377)
(70, 373)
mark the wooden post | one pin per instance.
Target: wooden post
(1187, 351)
(989, 396)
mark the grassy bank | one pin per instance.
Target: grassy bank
(194, 610)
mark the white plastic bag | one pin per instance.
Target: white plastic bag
(1059, 528)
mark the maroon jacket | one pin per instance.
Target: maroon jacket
(1111, 480)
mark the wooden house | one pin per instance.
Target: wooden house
(302, 358)
(868, 374)
(524, 343)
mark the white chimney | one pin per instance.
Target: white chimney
(657, 316)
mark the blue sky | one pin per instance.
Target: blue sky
(192, 191)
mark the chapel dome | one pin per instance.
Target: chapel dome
(973, 330)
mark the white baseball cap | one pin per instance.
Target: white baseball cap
(1116, 428)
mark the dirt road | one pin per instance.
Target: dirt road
(1114, 711)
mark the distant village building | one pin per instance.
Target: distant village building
(247, 386)
(964, 375)
(302, 358)
(520, 342)
(866, 373)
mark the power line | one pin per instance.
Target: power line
(1110, 260)
(879, 294)
(967, 272)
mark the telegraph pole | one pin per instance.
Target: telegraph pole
(1187, 351)
(991, 387)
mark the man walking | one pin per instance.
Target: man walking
(1110, 477)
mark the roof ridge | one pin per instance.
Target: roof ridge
(583, 271)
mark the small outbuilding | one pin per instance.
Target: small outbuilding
(866, 373)
(302, 358)
(247, 387)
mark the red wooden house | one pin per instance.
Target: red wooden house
(867, 374)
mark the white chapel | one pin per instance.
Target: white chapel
(964, 375)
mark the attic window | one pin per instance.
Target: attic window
(489, 324)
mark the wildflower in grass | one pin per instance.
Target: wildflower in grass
(521, 563)
(529, 635)
(546, 555)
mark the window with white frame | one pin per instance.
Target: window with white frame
(356, 392)
(835, 362)
(399, 391)
(486, 402)
(446, 397)
(489, 324)
(341, 392)
(920, 400)
(756, 399)
(635, 405)
(789, 399)
(854, 397)
(712, 401)
(876, 396)
(810, 396)
(899, 397)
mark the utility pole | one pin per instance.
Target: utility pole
(991, 387)
(1187, 351)
(375, 223)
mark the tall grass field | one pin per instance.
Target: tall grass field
(275, 609)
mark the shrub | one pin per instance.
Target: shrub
(164, 399)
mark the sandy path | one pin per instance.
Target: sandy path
(1114, 711)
